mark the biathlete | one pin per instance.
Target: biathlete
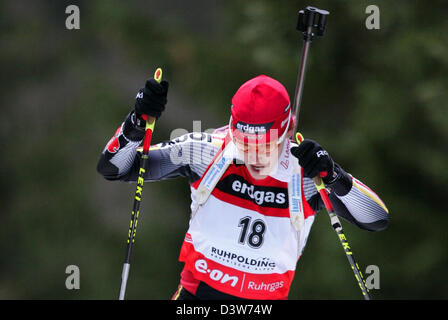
(253, 197)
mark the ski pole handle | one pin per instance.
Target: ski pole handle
(150, 121)
(320, 186)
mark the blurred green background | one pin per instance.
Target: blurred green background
(375, 99)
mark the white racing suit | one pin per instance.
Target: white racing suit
(241, 241)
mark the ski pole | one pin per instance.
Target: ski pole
(150, 122)
(308, 19)
(337, 226)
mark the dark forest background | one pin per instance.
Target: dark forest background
(375, 99)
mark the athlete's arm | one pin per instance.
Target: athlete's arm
(358, 204)
(186, 156)
(351, 199)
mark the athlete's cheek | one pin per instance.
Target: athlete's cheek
(251, 158)
(263, 159)
(269, 156)
(250, 155)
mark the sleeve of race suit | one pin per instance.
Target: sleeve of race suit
(352, 200)
(186, 156)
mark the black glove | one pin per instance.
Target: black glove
(314, 160)
(151, 99)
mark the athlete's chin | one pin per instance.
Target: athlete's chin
(258, 172)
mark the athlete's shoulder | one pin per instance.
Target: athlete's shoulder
(214, 140)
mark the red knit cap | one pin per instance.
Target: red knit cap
(260, 110)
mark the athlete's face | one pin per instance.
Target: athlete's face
(260, 159)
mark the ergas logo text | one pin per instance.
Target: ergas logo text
(272, 197)
(253, 128)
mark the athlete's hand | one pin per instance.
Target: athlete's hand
(314, 160)
(152, 98)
